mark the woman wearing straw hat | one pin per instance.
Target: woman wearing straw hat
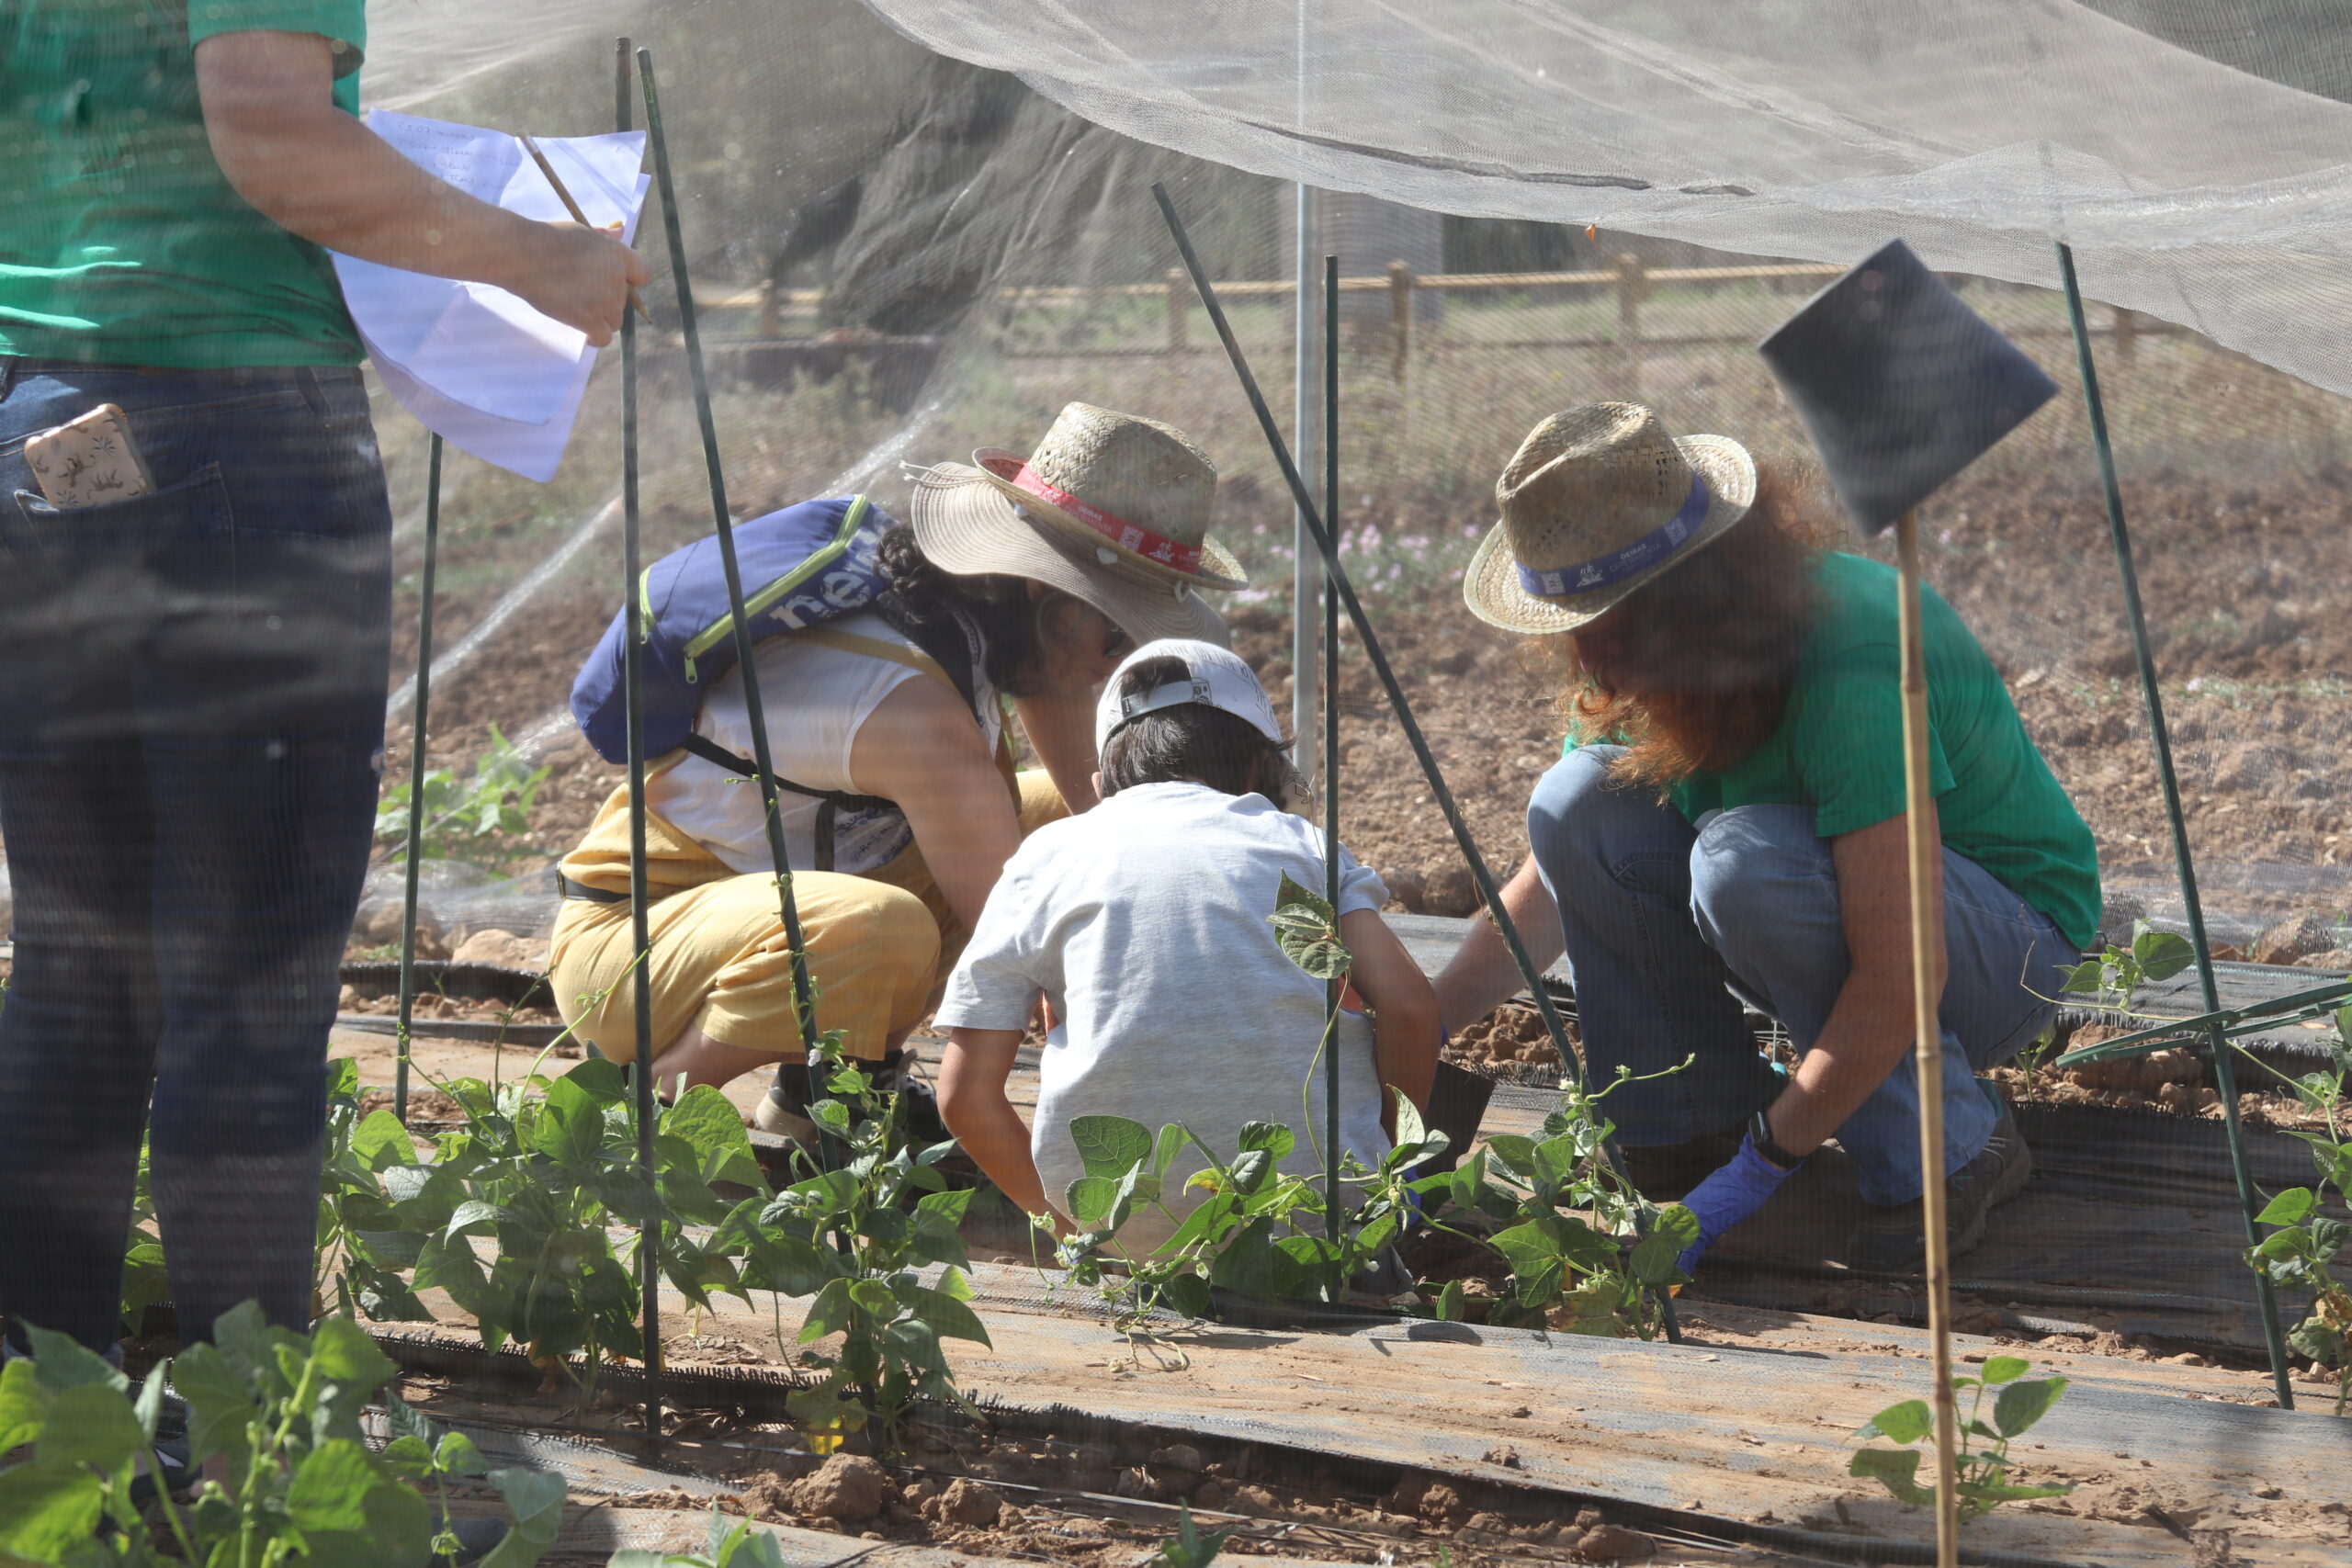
(1030, 576)
(1726, 822)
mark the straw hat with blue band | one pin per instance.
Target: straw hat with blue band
(1597, 502)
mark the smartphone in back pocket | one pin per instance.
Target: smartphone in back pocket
(88, 461)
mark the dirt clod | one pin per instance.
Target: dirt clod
(1614, 1544)
(1209, 1494)
(1503, 1454)
(1179, 1456)
(851, 1488)
(1441, 1502)
(969, 1504)
(2292, 938)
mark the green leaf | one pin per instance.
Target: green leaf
(2005, 1369)
(343, 1353)
(2020, 1405)
(535, 1498)
(1250, 1168)
(408, 1456)
(1449, 1302)
(455, 1454)
(2291, 1207)
(49, 1516)
(829, 1314)
(1110, 1145)
(1308, 931)
(61, 1363)
(1516, 1151)
(1186, 1295)
(2086, 977)
(1252, 1265)
(22, 1403)
(947, 1317)
(2162, 955)
(1909, 1422)
(713, 1128)
(350, 1513)
(1277, 1140)
(380, 1142)
(93, 1424)
(220, 1399)
(1090, 1199)
(570, 1127)
(1894, 1469)
(1164, 1151)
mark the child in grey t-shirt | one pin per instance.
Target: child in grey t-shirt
(1144, 924)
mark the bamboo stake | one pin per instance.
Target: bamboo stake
(1329, 750)
(418, 715)
(1927, 958)
(1337, 577)
(648, 1270)
(803, 1000)
(2184, 862)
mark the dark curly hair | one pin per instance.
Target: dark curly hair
(1009, 620)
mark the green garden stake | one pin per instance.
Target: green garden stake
(1336, 580)
(803, 999)
(648, 1273)
(1330, 750)
(2184, 862)
(417, 715)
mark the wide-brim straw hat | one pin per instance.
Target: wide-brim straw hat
(1111, 508)
(1597, 502)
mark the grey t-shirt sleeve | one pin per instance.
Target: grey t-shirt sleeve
(995, 983)
(1360, 885)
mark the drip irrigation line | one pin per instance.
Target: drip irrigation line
(2183, 859)
(804, 1001)
(1336, 580)
(649, 1270)
(416, 735)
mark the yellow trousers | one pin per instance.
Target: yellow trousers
(878, 944)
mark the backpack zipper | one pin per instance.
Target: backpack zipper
(767, 598)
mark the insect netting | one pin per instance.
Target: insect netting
(918, 230)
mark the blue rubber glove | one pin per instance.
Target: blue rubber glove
(1735, 1191)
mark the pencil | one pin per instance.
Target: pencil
(572, 207)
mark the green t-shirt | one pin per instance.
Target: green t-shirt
(121, 241)
(1840, 748)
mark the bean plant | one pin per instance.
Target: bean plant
(2301, 1254)
(1263, 1234)
(733, 1544)
(2113, 974)
(855, 1236)
(1982, 1468)
(548, 1170)
(465, 821)
(280, 1413)
(1602, 1266)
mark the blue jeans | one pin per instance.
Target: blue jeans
(191, 722)
(1667, 927)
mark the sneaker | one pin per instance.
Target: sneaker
(1664, 1173)
(778, 1111)
(1894, 1240)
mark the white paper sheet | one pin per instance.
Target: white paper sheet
(473, 363)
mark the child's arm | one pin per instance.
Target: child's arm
(972, 1100)
(1405, 1036)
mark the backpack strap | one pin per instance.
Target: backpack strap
(831, 802)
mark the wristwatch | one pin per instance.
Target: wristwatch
(1759, 1133)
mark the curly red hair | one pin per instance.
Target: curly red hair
(1691, 672)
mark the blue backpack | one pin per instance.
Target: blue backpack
(802, 566)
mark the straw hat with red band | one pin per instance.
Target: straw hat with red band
(1598, 501)
(1111, 507)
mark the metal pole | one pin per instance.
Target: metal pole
(803, 1000)
(418, 714)
(1307, 568)
(648, 1268)
(1330, 749)
(1927, 953)
(1479, 876)
(2184, 862)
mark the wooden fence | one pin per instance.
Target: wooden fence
(1628, 280)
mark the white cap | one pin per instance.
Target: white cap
(1218, 679)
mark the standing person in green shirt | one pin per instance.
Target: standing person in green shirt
(1729, 820)
(192, 679)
